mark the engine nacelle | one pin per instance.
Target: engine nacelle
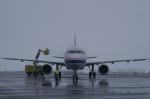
(47, 69)
(103, 69)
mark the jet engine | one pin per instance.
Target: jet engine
(47, 69)
(103, 69)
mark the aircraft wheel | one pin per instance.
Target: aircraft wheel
(90, 74)
(75, 78)
(94, 74)
(60, 74)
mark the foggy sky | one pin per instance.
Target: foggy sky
(109, 29)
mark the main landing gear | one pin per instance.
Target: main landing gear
(92, 74)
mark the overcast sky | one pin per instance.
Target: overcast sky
(109, 29)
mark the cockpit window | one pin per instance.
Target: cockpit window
(71, 51)
(75, 51)
(79, 51)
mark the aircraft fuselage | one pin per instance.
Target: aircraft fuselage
(75, 58)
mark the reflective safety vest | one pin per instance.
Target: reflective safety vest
(57, 72)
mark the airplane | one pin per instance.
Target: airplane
(75, 58)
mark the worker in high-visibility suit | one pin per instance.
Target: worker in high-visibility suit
(57, 72)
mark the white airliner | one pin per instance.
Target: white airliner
(75, 58)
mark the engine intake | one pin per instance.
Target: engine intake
(103, 69)
(47, 69)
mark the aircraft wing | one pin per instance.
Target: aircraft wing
(114, 61)
(91, 57)
(38, 61)
(61, 57)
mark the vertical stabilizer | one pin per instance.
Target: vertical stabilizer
(75, 41)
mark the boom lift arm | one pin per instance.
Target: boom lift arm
(35, 62)
(45, 52)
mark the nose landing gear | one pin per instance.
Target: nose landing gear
(75, 77)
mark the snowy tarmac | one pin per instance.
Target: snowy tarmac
(16, 85)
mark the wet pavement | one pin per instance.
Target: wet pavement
(15, 85)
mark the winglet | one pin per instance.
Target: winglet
(147, 58)
(2, 57)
